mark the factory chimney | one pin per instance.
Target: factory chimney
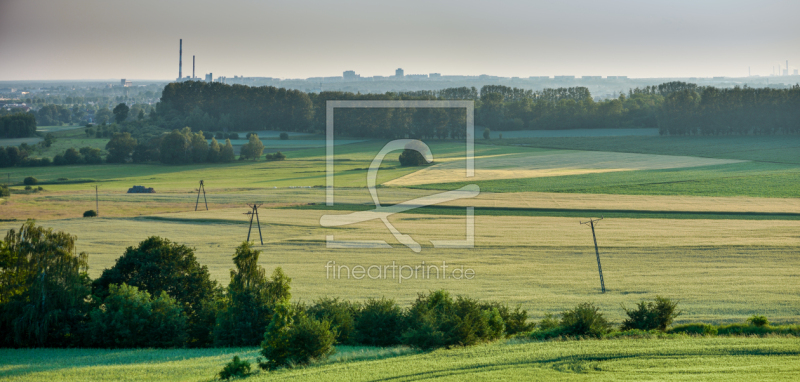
(180, 61)
(193, 67)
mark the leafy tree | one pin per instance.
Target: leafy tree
(251, 300)
(14, 156)
(91, 155)
(213, 151)
(44, 286)
(235, 369)
(158, 265)
(176, 148)
(226, 153)
(129, 317)
(4, 161)
(121, 112)
(120, 148)
(411, 157)
(199, 148)
(252, 149)
(103, 115)
(72, 156)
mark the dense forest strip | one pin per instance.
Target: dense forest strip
(675, 108)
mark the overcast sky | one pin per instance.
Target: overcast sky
(109, 39)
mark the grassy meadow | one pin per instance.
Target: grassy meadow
(673, 359)
(711, 222)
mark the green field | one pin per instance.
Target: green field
(766, 180)
(774, 148)
(721, 239)
(679, 359)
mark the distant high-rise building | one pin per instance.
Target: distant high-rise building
(399, 72)
(209, 77)
(125, 83)
(436, 75)
(795, 72)
(350, 75)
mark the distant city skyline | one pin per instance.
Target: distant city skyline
(55, 40)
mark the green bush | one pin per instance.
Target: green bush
(4, 192)
(28, 188)
(437, 320)
(486, 133)
(584, 320)
(235, 369)
(284, 136)
(293, 339)
(340, 314)
(90, 214)
(278, 156)
(695, 329)
(130, 318)
(758, 320)
(379, 323)
(30, 181)
(657, 314)
(548, 322)
(516, 321)
(411, 157)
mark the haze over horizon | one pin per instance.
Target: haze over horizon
(52, 40)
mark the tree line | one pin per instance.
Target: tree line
(17, 125)
(676, 108)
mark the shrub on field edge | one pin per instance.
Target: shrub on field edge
(340, 313)
(758, 320)
(292, 339)
(695, 329)
(90, 214)
(379, 322)
(650, 315)
(129, 317)
(584, 320)
(284, 136)
(4, 192)
(516, 321)
(236, 368)
(437, 320)
(30, 181)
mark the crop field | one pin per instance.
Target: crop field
(550, 163)
(756, 179)
(674, 359)
(774, 148)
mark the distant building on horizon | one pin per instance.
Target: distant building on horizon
(125, 83)
(350, 75)
(399, 72)
(209, 77)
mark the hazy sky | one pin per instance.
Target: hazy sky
(112, 39)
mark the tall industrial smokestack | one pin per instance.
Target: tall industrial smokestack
(180, 61)
(193, 67)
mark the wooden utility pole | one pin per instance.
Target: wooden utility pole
(597, 252)
(202, 187)
(252, 213)
(96, 201)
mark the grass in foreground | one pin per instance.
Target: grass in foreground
(687, 358)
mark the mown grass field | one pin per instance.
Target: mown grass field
(679, 359)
